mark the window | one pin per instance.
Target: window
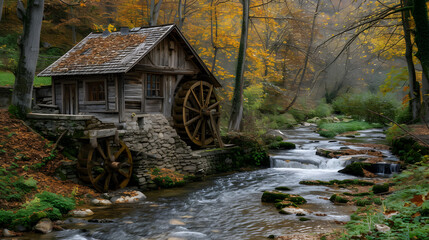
(95, 91)
(153, 86)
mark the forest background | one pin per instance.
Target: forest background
(299, 55)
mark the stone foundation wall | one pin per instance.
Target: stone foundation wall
(151, 139)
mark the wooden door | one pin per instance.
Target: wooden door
(69, 98)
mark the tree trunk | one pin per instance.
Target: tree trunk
(237, 99)
(414, 85)
(307, 55)
(181, 13)
(29, 52)
(1, 8)
(73, 26)
(154, 12)
(420, 15)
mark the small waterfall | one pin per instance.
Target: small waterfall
(304, 162)
(385, 168)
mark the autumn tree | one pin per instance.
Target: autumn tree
(237, 100)
(29, 52)
(154, 9)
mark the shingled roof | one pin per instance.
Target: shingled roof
(115, 53)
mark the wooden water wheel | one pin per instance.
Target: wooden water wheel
(196, 113)
(107, 164)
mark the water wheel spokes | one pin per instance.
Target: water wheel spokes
(197, 112)
(109, 165)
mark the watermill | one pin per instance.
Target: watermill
(105, 162)
(196, 114)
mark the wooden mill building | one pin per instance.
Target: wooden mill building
(139, 70)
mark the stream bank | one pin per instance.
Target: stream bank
(229, 207)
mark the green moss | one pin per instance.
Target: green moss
(281, 146)
(285, 203)
(337, 199)
(303, 219)
(355, 169)
(380, 188)
(272, 196)
(346, 182)
(297, 199)
(363, 202)
(357, 194)
(283, 188)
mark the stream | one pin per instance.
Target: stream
(229, 206)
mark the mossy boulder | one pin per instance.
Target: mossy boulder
(285, 203)
(297, 199)
(272, 196)
(281, 146)
(338, 199)
(355, 169)
(380, 188)
(283, 188)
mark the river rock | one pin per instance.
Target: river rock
(324, 152)
(81, 212)
(128, 197)
(382, 228)
(295, 211)
(9, 233)
(100, 202)
(44, 226)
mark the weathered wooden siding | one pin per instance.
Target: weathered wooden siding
(133, 92)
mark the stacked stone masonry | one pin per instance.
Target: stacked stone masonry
(154, 143)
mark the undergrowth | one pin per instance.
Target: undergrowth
(405, 212)
(330, 130)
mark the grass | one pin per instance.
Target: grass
(8, 79)
(330, 130)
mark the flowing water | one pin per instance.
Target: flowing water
(229, 206)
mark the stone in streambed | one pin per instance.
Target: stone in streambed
(294, 211)
(283, 188)
(272, 196)
(81, 212)
(9, 233)
(44, 226)
(128, 197)
(100, 202)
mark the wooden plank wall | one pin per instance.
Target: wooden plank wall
(133, 92)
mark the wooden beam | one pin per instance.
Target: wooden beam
(165, 70)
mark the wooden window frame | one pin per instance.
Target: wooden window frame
(160, 85)
(86, 93)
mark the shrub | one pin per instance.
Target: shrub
(166, 178)
(358, 106)
(5, 218)
(63, 204)
(323, 110)
(404, 116)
